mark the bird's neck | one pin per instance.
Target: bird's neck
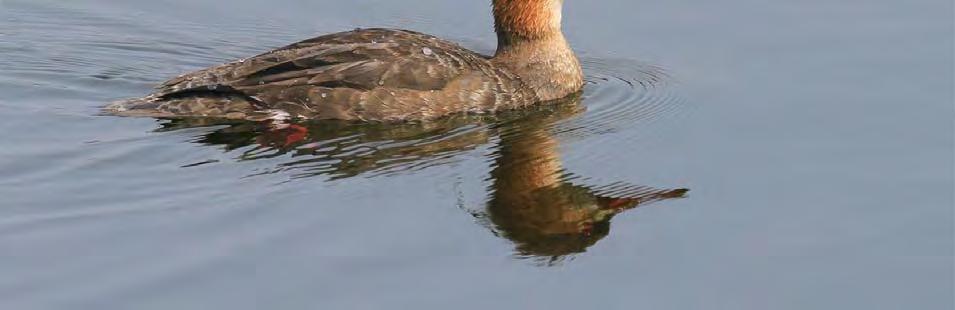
(531, 44)
(517, 21)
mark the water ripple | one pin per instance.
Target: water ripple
(59, 55)
(620, 95)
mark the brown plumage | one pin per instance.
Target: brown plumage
(381, 75)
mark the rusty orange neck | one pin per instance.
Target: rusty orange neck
(518, 20)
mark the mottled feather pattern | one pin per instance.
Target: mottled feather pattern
(366, 74)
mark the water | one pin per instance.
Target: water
(815, 138)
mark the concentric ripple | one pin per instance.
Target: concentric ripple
(622, 94)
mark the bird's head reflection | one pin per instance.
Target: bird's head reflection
(535, 203)
(532, 200)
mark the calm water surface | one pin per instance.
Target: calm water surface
(815, 139)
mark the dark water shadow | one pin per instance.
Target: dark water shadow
(532, 201)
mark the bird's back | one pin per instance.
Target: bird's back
(368, 74)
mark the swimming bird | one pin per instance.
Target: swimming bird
(382, 75)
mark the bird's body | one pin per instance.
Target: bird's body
(381, 75)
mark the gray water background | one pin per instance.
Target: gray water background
(816, 138)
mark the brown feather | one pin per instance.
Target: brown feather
(382, 75)
(371, 74)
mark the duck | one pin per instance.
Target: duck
(382, 75)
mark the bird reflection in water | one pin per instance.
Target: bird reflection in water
(532, 201)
